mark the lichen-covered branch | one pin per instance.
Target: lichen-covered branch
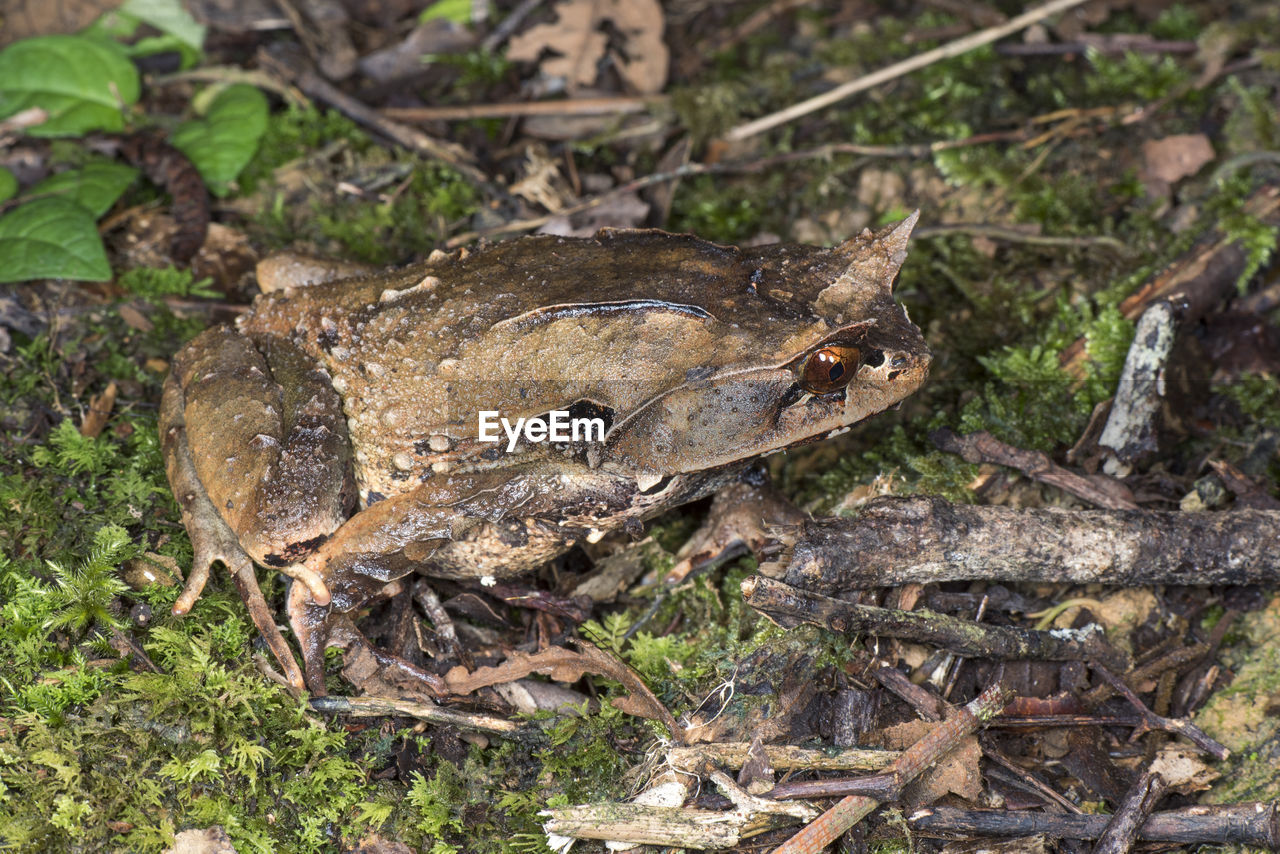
(904, 540)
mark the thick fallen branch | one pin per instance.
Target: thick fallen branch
(789, 607)
(1254, 824)
(908, 540)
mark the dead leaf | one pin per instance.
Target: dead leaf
(375, 844)
(1169, 160)
(212, 840)
(578, 42)
(566, 665)
(151, 568)
(542, 183)
(134, 318)
(1182, 768)
(627, 210)
(170, 169)
(956, 773)
(404, 58)
(99, 411)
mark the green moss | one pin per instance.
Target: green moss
(168, 281)
(726, 211)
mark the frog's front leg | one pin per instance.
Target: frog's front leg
(741, 520)
(483, 526)
(256, 450)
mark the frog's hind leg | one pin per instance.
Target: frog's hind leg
(267, 443)
(367, 667)
(211, 539)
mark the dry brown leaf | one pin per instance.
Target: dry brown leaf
(1173, 158)
(956, 773)
(99, 411)
(26, 18)
(212, 840)
(566, 665)
(578, 43)
(1183, 769)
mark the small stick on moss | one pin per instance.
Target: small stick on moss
(676, 827)
(899, 69)
(510, 109)
(789, 607)
(927, 539)
(377, 707)
(982, 447)
(1122, 830)
(1130, 432)
(916, 759)
(315, 86)
(1252, 824)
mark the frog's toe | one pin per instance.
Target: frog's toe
(211, 541)
(310, 624)
(246, 582)
(369, 668)
(311, 580)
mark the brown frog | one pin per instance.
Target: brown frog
(343, 431)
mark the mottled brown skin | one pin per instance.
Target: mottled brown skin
(333, 433)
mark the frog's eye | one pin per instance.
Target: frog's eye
(829, 368)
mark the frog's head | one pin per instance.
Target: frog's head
(819, 346)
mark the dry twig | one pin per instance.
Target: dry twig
(789, 607)
(898, 69)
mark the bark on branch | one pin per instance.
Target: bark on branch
(922, 540)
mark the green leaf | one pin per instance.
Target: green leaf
(458, 11)
(96, 186)
(168, 16)
(82, 83)
(51, 238)
(224, 141)
(8, 185)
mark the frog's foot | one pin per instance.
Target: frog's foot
(367, 667)
(246, 582)
(213, 541)
(741, 520)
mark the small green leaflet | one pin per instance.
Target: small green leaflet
(8, 185)
(168, 16)
(83, 83)
(178, 30)
(458, 11)
(224, 141)
(53, 238)
(96, 186)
